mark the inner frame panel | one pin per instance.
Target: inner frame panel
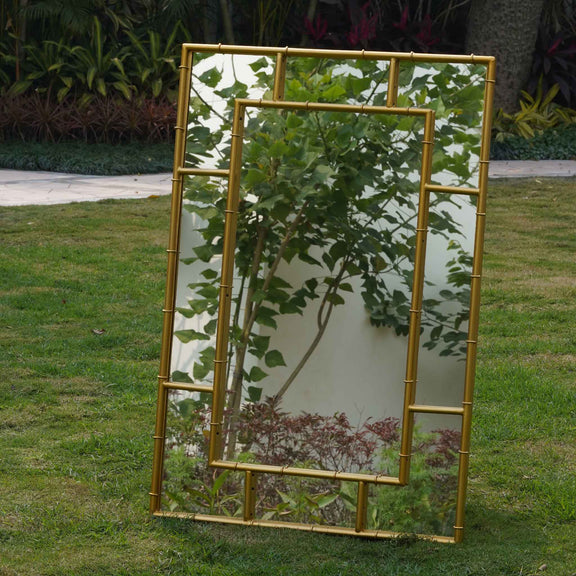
(290, 212)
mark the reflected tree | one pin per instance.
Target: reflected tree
(336, 193)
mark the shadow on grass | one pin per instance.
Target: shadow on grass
(496, 543)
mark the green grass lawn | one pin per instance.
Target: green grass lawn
(78, 408)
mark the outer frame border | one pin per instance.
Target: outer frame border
(179, 171)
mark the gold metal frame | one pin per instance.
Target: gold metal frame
(233, 175)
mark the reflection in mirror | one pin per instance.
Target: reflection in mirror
(427, 505)
(322, 289)
(326, 231)
(381, 157)
(199, 269)
(189, 484)
(446, 300)
(337, 81)
(303, 500)
(217, 79)
(455, 93)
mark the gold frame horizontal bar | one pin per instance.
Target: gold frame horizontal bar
(340, 54)
(307, 472)
(203, 171)
(188, 387)
(423, 409)
(324, 107)
(452, 189)
(342, 530)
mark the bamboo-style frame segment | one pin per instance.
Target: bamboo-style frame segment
(228, 250)
(165, 385)
(316, 528)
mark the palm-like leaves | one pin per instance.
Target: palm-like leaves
(98, 66)
(153, 62)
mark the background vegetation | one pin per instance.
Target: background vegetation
(107, 70)
(80, 342)
(81, 158)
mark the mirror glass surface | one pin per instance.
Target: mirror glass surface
(427, 505)
(217, 79)
(325, 240)
(323, 275)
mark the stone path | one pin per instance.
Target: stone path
(19, 188)
(25, 188)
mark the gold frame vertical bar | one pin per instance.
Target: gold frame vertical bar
(416, 303)
(393, 75)
(475, 282)
(280, 76)
(250, 484)
(361, 507)
(225, 301)
(171, 277)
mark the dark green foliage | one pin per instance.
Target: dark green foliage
(553, 144)
(79, 158)
(96, 78)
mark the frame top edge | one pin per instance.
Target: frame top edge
(328, 106)
(340, 54)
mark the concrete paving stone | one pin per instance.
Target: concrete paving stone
(532, 169)
(22, 188)
(28, 188)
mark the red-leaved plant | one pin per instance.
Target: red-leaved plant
(97, 120)
(269, 435)
(325, 442)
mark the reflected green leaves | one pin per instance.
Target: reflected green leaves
(349, 182)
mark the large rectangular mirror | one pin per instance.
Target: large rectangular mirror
(323, 289)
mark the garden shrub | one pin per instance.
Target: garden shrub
(269, 434)
(554, 144)
(100, 119)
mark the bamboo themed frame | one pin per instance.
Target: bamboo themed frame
(411, 408)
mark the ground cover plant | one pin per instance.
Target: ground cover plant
(79, 158)
(81, 291)
(553, 144)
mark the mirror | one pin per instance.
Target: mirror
(332, 195)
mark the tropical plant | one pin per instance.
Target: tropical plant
(7, 67)
(97, 65)
(152, 63)
(401, 26)
(554, 64)
(273, 23)
(537, 113)
(47, 70)
(72, 21)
